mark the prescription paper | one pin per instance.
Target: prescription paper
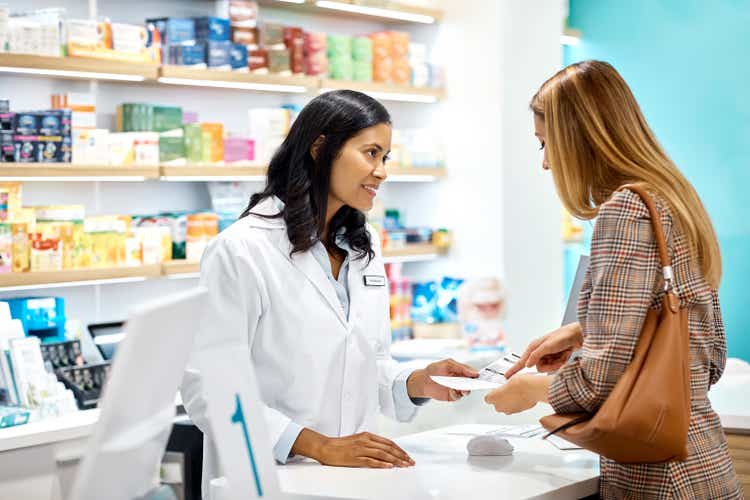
(490, 377)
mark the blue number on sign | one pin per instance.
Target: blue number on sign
(239, 418)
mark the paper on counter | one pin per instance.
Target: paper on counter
(562, 444)
(490, 377)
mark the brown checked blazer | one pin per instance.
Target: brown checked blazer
(622, 283)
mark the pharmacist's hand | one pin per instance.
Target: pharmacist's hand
(420, 385)
(550, 352)
(363, 450)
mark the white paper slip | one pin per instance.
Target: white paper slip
(562, 444)
(465, 383)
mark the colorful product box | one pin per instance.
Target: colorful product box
(54, 149)
(7, 121)
(55, 122)
(238, 57)
(166, 118)
(172, 146)
(187, 55)
(213, 142)
(193, 142)
(212, 29)
(26, 124)
(174, 31)
(218, 54)
(7, 150)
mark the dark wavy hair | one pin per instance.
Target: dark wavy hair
(302, 182)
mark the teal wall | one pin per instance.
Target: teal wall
(688, 63)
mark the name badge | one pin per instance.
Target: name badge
(374, 280)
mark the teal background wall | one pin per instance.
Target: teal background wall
(688, 63)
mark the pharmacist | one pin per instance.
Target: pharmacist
(299, 278)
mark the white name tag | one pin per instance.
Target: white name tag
(374, 280)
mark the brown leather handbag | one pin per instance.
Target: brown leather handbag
(645, 418)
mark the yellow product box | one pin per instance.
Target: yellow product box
(212, 135)
(62, 232)
(6, 248)
(10, 200)
(21, 250)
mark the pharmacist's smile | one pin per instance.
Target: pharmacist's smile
(372, 189)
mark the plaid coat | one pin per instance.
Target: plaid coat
(623, 282)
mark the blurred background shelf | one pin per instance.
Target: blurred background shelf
(73, 172)
(77, 68)
(412, 253)
(180, 75)
(209, 172)
(74, 277)
(387, 92)
(393, 12)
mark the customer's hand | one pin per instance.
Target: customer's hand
(519, 394)
(359, 450)
(550, 352)
(420, 385)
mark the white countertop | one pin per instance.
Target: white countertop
(444, 471)
(73, 426)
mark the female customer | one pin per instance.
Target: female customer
(299, 279)
(595, 141)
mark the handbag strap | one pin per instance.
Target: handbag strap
(661, 242)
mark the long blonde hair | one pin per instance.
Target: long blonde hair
(598, 140)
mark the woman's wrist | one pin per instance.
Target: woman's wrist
(309, 444)
(540, 387)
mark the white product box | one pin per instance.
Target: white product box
(90, 146)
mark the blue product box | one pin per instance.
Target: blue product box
(55, 122)
(187, 55)
(7, 151)
(238, 56)
(26, 124)
(174, 31)
(43, 317)
(212, 28)
(11, 416)
(218, 54)
(25, 148)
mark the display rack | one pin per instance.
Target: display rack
(393, 12)
(76, 277)
(170, 269)
(50, 172)
(103, 69)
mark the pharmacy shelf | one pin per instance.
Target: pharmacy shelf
(240, 172)
(180, 269)
(420, 252)
(392, 12)
(181, 75)
(387, 92)
(175, 269)
(217, 172)
(73, 172)
(77, 68)
(77, 277)
(104, 69)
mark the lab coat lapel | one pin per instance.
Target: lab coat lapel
(305, 262)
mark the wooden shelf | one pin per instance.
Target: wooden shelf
(12, 281)
(104, 69)
(391, 12)
(178, 267)
(74, 172)
(387, 91)
(77, 67)
(209, 172)
(181, 75)
(399, 174)
(413, 253)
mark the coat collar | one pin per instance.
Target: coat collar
(305, 262)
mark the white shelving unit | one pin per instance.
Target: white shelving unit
(98, 294)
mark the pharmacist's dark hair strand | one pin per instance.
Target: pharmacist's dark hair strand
(302, 182)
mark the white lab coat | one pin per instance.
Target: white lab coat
(314, 367)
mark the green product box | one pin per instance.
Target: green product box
(339, 46)
(166, 118)
(172, 145)
(341, 68)
(193, 142)
(362, 71)
(362, 49)
(136, 117)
